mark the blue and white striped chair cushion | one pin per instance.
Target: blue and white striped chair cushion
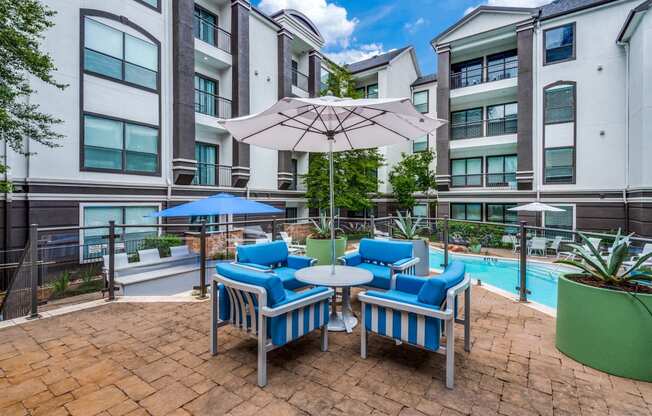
(419, 330)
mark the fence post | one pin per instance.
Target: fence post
(373, 226)
(273, 229)
(111, 260)
(202, 259)
(522, 286)
(33, 254)
(445, 238)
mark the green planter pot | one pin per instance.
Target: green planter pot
(321, 249)
(605, 329)
(475, 248)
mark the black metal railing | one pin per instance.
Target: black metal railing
(481, 74)
(484, 128)
(487, 180)
(300, 80)
(212, 34)
(210, 174)
(212, 105)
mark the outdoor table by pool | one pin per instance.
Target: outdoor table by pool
(344, 277)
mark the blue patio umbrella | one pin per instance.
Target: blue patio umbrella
(220, 204)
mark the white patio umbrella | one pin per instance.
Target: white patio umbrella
(332, 124)
(537, 207)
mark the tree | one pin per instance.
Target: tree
(22, 23)
(355, 171)
(412, 175)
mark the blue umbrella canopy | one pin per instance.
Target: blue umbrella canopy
(220, 204)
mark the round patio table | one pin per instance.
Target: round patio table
(344, 278)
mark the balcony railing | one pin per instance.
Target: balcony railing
(210, 174)
(486, 180)
(212, 105)
(481, 74)
(211, 34)
(484, 128)
(300, 80)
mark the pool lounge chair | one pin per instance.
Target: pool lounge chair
(413, 313)
(556, 244)
(538, 244)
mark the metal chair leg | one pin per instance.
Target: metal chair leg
(467, 319)
(215, 309)
(324, 338)
(363, 333)
(450, 353)
(262, 351)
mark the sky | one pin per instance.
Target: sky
(359, 29)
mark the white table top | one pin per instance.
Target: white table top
(344, 276)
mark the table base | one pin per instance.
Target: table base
(344, 320)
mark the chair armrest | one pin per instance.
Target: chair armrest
(300, 262)
(407, 307)
(314, 295)
(254, 266)
(404, 264)
(456, 290)
(352, 259)
(409, 284)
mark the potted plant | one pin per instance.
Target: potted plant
(604, 313)
(408, 229)
(475, 246)
(318, 243)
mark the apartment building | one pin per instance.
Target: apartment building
(549, 104)
(148, 81)
(396, 74)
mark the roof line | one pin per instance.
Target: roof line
(641, 8)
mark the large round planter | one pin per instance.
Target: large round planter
(321, 249)
(421, 250)
(605, 329)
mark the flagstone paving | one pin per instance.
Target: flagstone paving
(153, 359)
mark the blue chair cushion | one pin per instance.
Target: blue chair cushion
(272, 283)
(382, 275)
(267, 254)
(286, 274)
(385, 251)
(298, 262)
(353, 259)
(409, 284)
(433, 291)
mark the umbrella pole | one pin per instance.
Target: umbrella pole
(332, 198)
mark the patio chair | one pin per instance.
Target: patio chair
(383, 258)
(647, 249)
(286, 237)
(180, 251)
(556, 244)
(538, 244)
(512, 240)
(413, 313)
(274, 257)
(149, 256)
(257, 304)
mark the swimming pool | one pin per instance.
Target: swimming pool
(504, 274)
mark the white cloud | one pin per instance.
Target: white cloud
(412, 27)
(330, 19)
(347, 56)
(510, 3)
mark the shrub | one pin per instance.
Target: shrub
(60, 285)
(488, 235)
(162, 243)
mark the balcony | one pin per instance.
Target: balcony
(485, 180)
(212, 105)
(210, 174)
(212, 44)
(483, 128)
(299, 83)
(484, 82)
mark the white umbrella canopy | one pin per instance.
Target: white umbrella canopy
(536, 207)
(306, 124)
(331, 124)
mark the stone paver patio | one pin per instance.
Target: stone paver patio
(141, 359)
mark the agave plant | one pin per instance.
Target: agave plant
(322, 229)
(610, 270)
(406, 227)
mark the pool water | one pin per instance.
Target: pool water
(504, 274)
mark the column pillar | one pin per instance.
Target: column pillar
(184, 164)
(442, 173)
(284, 171)
(240, 10)
(314, 73)
(525, 169)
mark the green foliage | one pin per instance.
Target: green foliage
(60, 285)
(340, 83)
(162, 243)
(22, 23)
(406, 228)
(322, 229)
(486, 234)
(609, 270)
(411, 175)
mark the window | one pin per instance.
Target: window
(206, 156)
(96, 239)
(563, 220)
(295, 73)
(559, 165)
(119, 146)
(111, 53)
(295, 174)
(559, 104)
(371, 91)
(420, 101)
(469, 212)
(211, 219)
(420, 144)
(151, 3)
(501, 171)
(466, 124)
(205, 25)
(501, 213)
(206, 93)
(466, 172)
(559, 44)
(324, 81)
(291, 214)
(466, 73)
(502, 119)
(420, 210)
(502, 65)
(361, 92)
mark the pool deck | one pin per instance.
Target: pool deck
(153, 359)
